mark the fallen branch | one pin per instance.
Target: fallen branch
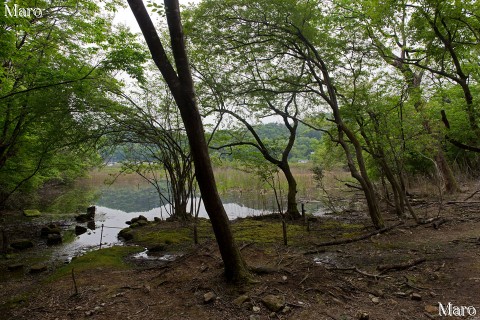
(358, 271)
(400, 266)
(471, 196)
(427, 221)
(354, 239)
(464, 202)
(303, 280)
(315, 251)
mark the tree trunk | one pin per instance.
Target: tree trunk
(451, 185)
(292, 208)
(182, 89)
(362, 176)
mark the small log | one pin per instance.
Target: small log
(400, 266)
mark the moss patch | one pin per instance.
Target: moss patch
(32, 213)
(248, 230)
(108, 258)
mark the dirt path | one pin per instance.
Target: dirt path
(343, 282)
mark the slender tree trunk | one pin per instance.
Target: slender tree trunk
(181, 86)
(362, 176)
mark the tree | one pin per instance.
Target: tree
(275, 154)
(294, 36)
(54, 71)
(390, 31)
(180, 84)
(149, 127)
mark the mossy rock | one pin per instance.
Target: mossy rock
(142, 223)
(31, 213)
(21, 244)
(51, 229)
(126, 234)
(38, 268)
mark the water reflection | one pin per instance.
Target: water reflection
(143, 199)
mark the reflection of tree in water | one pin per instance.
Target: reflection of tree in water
(129, 198)
(71, 199)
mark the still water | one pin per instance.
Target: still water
(116, 204)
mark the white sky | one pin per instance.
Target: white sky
(125, 15)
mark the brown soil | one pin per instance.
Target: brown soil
(341, 283)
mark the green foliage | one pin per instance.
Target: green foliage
(56, 73)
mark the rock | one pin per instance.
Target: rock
(375, 300)
(15, 267)
(400, 294)
(256, 309)
(31, 213)
(51, 229)
(431, 309)
(209, 297)
(147, 288)
(157, 248)
(286, 310)
(134, 220)
(80, 230)
(247, 306)
(363, 316)
(38, 268)
(416, 297)
(91, 211)
(240, 300)
(21, 244)
(142, 223)
(273, 303)
(54, 239)
(157, 219)
(128, 222)
(140, 217)
(91, 225)
(126, 234)
(254, 317)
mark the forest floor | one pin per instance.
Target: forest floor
(403, 273)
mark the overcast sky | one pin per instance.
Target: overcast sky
(125, 15)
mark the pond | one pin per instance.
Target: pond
(117, 204)
(122, 201)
